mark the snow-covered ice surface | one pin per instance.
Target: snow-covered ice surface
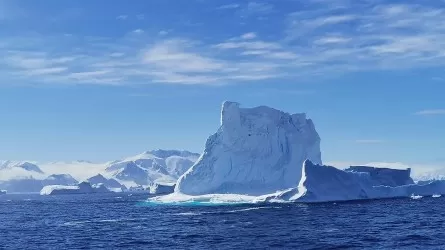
(256, 151)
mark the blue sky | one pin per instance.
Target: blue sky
(100, 80)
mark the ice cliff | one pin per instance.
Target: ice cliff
(255, 151)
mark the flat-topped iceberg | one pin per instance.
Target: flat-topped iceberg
(162, 188)
(256, 151)
(81, 188)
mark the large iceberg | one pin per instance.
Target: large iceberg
(81, 188)
(255, 151)
(262, 154)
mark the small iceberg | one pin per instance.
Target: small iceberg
(436, 196)
(2, 192)
(162, 188)
(82, 188)
(416, 197)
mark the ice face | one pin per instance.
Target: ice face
(255, 151)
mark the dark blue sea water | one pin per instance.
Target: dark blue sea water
(120, 221)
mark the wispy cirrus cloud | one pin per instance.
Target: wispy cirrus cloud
(122, 17)
(428, 112)
(229, 6)
(313, 41)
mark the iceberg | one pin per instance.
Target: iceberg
(81, 188)
(255, 151)
(326, 183)
(160, 188)
(265, 155)
(2, 192)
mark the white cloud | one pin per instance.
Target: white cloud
(251, 45)
(247, 36)
(229, 6)
(170, 55)
(431, 112)
(331, 40)
(122, 17)
(46, 71)
(138, 31)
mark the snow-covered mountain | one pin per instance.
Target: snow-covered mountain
(19, 169)
(255, 151)
(157, 166)
(27, 166)
(60, 179)
(108, 183)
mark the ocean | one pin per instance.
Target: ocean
(125, 221)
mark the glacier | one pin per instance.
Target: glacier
(254, 152)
